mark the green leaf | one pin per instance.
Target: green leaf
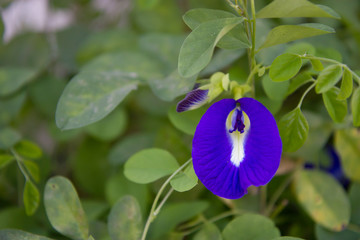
(8, 138)
(33, 169)
(110, 127)
(354, 196)
(28, 149)
(198, 47)
(298, 81)
(347, 143)
(337, 109)
(101, 86)
(301, 48)
(149, 165)
(31, 198)
(166, 48)
(293, 129)
(247, 227)
(323, 198)
(10, 107)
(346, 85)
(221, 59)
(208, 232)
(64, 209)
(12, 234)
(355, 107)
(5, 159)
(186, 121)
(275, 90)
(287, 238)
(325, 234)
(328, 78)
(128, 146)
(94, 209)
(12, 79)
(124, 221)
(118, 186)
(173, 214)
(295, 8)
(105, 42)
(285, 67)
(288, 33)
(185, 181)
(317, 65)
(234, 39)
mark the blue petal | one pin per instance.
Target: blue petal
(213, 147)
(193, 100)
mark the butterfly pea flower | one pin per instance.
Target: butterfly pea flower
(236, 144)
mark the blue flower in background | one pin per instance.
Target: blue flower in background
(236, 144)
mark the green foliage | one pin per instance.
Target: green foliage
(31, 198)
(8, 138)
(355, 107)
(149, 165)
(293, 129)
(10, 234)
(28, 149)
(12, 79)
(288, 33)
(285, 67)
(295, 8)
(64, 209)
(247, 227)
(346, 85)
(337, 109)
(124, 220)
(195, 54)
(323, 198)
(186, 121)
(185, 181)
(208, 232)
(347, 143)
(328, 78)
(275, 90)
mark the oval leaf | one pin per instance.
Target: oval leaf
(64, 209)
(317, 65)
(31, 198)
(347, 143)
(275, 90)
(288, 33)
(247, 227)
(323, 198)
(12, 79)
(124, 221)
(208, 232)
(337, 109)
(8, 138)
(186, 121)
(298, 81)
(10, 234)
(355, 107)
(28, 149)
(33, 169)
(185, 181)
(285, 67)
(198, 47)
(149, 165)
(328, 78)
(294, 8)
(346, 85)
(293, 129)
(5, 159)
(101, 86)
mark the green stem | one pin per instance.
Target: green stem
(153, 209)
(279, 208)
(20, 165)
(253, 32)
(305, 93)
(335, 62)
(156, 212)
(275, 197)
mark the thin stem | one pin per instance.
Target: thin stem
(279, 208)
(250, 78)
(275, 197)
(156, 212)
(153, 207)
(253, 32)
(306, 92)
(19, 163)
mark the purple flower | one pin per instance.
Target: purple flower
(194, 99)
(236, 144)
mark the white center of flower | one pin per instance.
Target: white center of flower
(237, 139)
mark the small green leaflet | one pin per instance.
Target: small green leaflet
(31, 198)
(328, 78)
(337, 109)
(293, 129)
(355, 107)
(285, 67)
(346, 85)
(186, 180)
